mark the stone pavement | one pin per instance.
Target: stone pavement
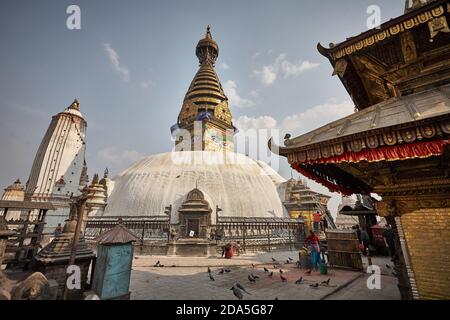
(186, 278)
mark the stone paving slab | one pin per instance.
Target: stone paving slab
(192, 283)
(358, 290)
(189, 280)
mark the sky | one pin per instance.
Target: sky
(132, 61)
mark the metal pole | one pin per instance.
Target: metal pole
(244, 231)
(290, 240)
(143, 231)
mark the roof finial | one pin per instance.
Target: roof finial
(414, 5)
(208, 32)
(75, 105)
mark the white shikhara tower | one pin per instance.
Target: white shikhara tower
(57, 170)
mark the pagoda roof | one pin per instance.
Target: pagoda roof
(117, 235)
(398, 58)
(417, 110)
(393, 27)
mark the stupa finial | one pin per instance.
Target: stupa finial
(75, 105)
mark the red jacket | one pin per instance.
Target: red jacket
(312, 239)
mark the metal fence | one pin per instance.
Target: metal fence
(254, 234)
(156, 228)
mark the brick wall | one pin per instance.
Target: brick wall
(427, 234)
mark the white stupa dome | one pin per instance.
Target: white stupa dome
(240, 186)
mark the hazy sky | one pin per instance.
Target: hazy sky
(132, 62)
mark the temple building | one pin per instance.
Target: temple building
(14, 192)
(203, 192)
(396, 144)
(59, 168)
(302, 202)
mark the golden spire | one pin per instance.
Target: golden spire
(205, 99)
(205, 91)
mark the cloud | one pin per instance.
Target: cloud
(291, 69)
(114, 58)
(233, 97)
(262, 122)
(146, 84)
(224, 66)
(267, 74)
(310, 119)
(115, 156)
(317, 116)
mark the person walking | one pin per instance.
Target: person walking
(314, 242)
(238, 248)
(389, 240)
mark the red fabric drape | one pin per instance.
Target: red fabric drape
(390, 153)
(328, 184)
(387, 153)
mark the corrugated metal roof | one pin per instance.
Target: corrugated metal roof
(393, 112)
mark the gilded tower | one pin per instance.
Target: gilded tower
(205, 113)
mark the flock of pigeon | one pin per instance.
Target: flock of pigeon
(237, 288)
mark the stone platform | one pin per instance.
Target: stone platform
(187, 247)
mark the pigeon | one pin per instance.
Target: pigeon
(238, 294)
(157, 264)
(271, 274)
(274, 260)
(178, 176)
(274, 266)
(251, 279)
(299, 280)
(290, 259)
(287, 262)
(309, 271)
(211, 277)
(209, 270)
(227, 270)
(283, 278)
(388, 266)
(266, 270)
(253, 266)
(281, 271)
(327, 283)
(240, 286)
(315, 285)
(254, 277)
(276, 298)
(221, 271)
